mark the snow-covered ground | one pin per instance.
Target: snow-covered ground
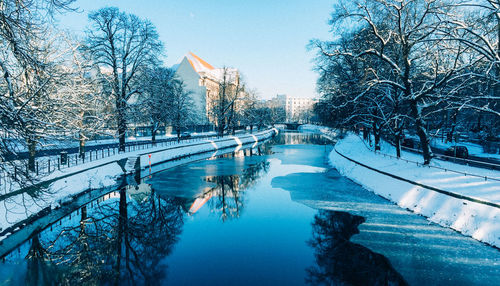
(474, 149)
(57, 144)
(480, 221)
(103, 173)
(313, 128)
(47, 170)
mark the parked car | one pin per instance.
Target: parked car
(457, 151)
(185, 135)
(408, 142)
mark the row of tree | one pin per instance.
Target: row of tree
(421, 64)
(55, 87)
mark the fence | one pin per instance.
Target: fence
(436, 167)
(459, 160)
(452, 194)
(46, 165)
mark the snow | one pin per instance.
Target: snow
(313, 128)
(103, 173)
(477, 220)
(205, 146)
(474, 149)
(58, 144)
(22, 206)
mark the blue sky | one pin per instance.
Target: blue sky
(265, 40)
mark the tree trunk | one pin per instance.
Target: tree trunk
(81, 145)
(122, 124)
(376, 134)
(365, 134)
(32, 153)
(397, 139)
(153, 134)
(220, 129)
(421, 132)
(449, 136)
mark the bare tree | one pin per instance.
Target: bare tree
(181, 107)
(154, 105)
(404, 56)
(27, 65)
(476, 25)
(223, 106)
(247, 112)
(82, 94)
(123, 45)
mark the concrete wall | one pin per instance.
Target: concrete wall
(205, 146)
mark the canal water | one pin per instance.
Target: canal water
(275, 214)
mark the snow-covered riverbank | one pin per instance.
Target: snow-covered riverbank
(63, 185)
(468, 216)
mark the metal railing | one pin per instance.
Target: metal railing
(455, 159)
(448, 193)
(46, 165)
(436, 167)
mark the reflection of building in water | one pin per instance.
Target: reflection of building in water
(301, 138)
(199, 202)
(225, 193)
(226, 196)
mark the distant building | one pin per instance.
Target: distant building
(298, 109)
(203, 80)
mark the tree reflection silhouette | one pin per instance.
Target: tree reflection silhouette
(228, 193)
(124, 240)
(342, 262)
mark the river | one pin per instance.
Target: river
(275, 214)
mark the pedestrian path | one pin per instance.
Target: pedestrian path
(461, 197)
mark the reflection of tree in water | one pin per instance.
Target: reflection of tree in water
(341, 262)
(121, 242)
(228, 193)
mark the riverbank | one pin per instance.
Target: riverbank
(442, 192)
(63, 186)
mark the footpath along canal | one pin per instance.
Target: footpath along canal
(272, 214)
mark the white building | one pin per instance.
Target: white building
(298, 109)
(202, 79)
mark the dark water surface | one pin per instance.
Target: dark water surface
(272, 215)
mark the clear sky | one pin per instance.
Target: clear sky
(265, 39)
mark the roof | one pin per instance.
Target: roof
(198, 64)
(205, 69)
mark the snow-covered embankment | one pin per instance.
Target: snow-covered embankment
(205, 146)
(466, 204)
(64, 186)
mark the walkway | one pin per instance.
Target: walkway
(467, 199)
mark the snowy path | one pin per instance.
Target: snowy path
(443, 178)
(478, 220)
(62, 185)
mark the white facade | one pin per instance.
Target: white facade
(298, 109)
(202, 80)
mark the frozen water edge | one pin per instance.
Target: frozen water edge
(469, 218)
(104, 173)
